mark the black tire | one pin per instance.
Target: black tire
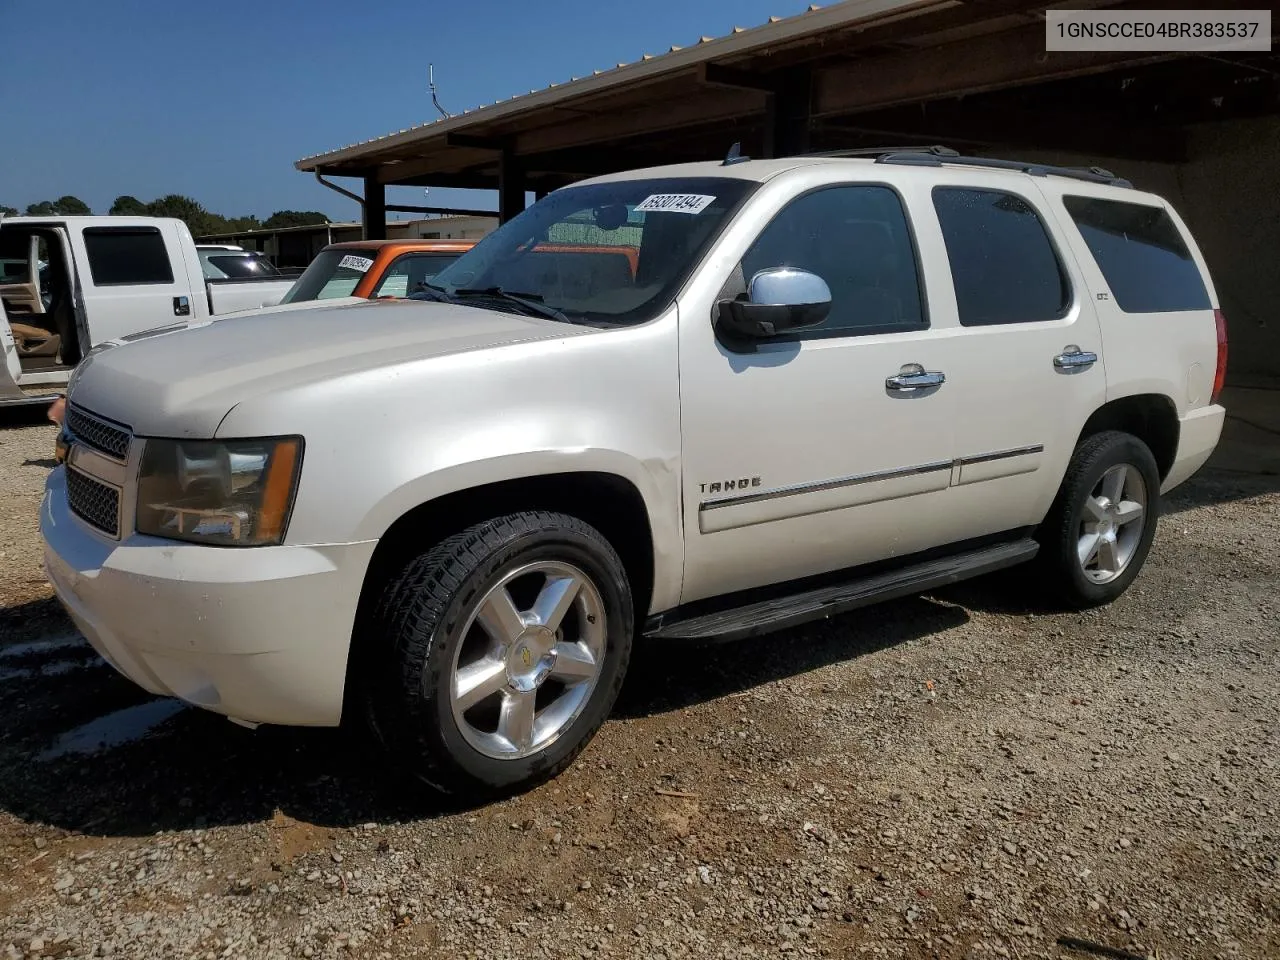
(420, 624)
(1059, 534)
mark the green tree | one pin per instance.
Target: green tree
(127, 206)
(8, 211)
(199, 220)
(70, 206)
(294, 218)
(67, 206)
(240, 224)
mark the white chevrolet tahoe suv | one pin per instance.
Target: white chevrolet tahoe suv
(811, 383)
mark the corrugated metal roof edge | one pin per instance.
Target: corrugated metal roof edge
(741, 40)
(339, 224)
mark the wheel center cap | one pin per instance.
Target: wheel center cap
(530, 658)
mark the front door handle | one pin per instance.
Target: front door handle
(1073, 358)
(913, 376)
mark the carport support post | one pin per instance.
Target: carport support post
(510, 186)
(786, 129)
(374, 216)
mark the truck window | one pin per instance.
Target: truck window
(404, 275)
(1141, 254)
(856, 238)
(333, 273)
(241, 266)
(127, 256)
(1003, 265)
(14, 271)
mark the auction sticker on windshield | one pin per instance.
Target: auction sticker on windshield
(676, 202)
(356, 263)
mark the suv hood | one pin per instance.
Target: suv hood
(291, 307)
(182, 381)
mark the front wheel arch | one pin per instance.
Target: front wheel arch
(608, 502)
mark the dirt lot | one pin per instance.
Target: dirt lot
(958, 775)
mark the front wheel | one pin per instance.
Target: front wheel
(502, 651)
(1100, 529)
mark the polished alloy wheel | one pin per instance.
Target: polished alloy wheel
(529, 656)
(1111, 524)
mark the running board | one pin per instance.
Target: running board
(29, 401)
(766, 616)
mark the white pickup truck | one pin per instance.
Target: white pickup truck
(69, 283)
(821, 382)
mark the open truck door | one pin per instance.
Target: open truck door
(10, 392)
(11, 367)
(19, 281)
(136, 276)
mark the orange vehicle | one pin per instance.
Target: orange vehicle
(374, 268)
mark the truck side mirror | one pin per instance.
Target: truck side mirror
(778, 299)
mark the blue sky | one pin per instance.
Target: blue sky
(217, 101)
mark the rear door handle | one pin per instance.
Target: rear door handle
(1073, 358)
(913, 376)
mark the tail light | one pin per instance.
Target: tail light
(1220, 374)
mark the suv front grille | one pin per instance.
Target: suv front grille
(98, 433)
(95, 503)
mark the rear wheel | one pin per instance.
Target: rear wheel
(503, 650)
(1100, 529)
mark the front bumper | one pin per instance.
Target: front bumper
(1198, 435)
(260, 634)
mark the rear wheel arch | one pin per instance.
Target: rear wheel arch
(1151, 417)
(1109, 496)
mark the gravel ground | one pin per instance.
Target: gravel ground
(961, 775)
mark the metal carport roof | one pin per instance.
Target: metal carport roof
(858, 72)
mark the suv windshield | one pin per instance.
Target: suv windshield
(614, 252)
(333, 273)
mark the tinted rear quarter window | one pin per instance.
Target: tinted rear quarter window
(1141, 254)
(1003, 265)
(127, 255)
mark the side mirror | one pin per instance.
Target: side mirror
(778, 299)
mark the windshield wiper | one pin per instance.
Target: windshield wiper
(530, 301)
(429, 291)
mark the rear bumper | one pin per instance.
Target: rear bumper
(1198, 434)
(260, 634)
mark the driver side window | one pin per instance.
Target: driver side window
(857, 239)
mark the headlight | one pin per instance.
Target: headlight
(231, 493)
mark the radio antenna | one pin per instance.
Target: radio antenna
(431, 83)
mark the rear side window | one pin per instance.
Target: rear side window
(1003, 264)
(1141, 254)
(127, 255)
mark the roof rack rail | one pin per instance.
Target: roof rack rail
(933, 150)
(921, 158)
